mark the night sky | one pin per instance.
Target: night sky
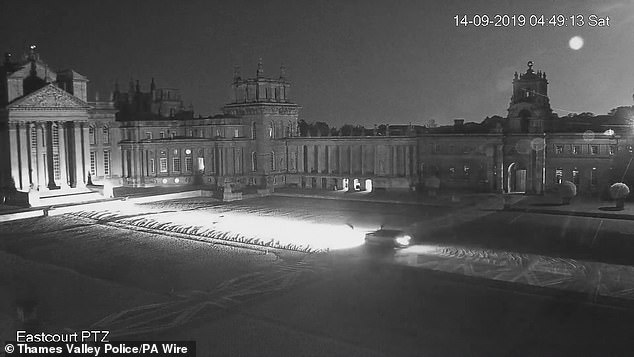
(358, 62)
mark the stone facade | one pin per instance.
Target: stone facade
(47, 128)
(55, 140)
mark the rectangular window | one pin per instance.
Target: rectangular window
(106, 162)
(594, 149)
(236, 133)
(576, 149)
(91, 135)
(466, 170)
(33, 140)
(594, 177)
(162, 135)
(176, 164)
(201, 164)
(148, 135)
(163, 164)
(152, 168)
(189, 163)
(93, 163)
(575, 177)
(452, 172)
(57, 174)
(612, 149)
(559, 175)
(191, 133)
(106, 135)
(272, 161)
(559, 149)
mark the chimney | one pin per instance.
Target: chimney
(458, 122)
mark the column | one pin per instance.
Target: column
(25, 154)
(15, 159)
(85, 139)
(79, 167)
(124, 163)
(40, 156)
(61, 134)
(48, 137)
(394, 161)
(407, 162)
(363, 170)
(350, 159)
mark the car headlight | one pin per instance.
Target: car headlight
(403, 240)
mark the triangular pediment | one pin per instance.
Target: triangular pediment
(49, 97)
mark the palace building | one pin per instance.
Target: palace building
(56, 142)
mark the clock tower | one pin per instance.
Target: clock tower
(530, 106)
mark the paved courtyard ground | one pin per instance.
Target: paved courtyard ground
(479, 281)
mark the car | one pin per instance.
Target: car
(394, 238)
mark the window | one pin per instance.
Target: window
(559, 175)
(106, 135)
(254, 161)
(151, 165)
(218, 133)
(148, 135)
(612, 149)
(253, 131)
(163, 164)
(559, 149)
(466, 170)
(106, 162)
(57, 174)
(437, 148)
(594, 149)
(189, 163)
(452, 172)
(33, 140)
(576, 149)
(191, 133)
(575, 176)
(594, 179)
(201, 164)
(236, 133)
(91, 135)
(93, 163)
(272, 160)
(176, 164)
(172, 134)
(162, 135)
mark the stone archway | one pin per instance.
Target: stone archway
(515, 179)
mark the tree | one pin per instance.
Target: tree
(358, 130)
(380, 131)
(303, 127)
(334, 131)
(321, 128)
(346, 130)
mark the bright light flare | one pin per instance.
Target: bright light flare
(576, 42)
(268, 230)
